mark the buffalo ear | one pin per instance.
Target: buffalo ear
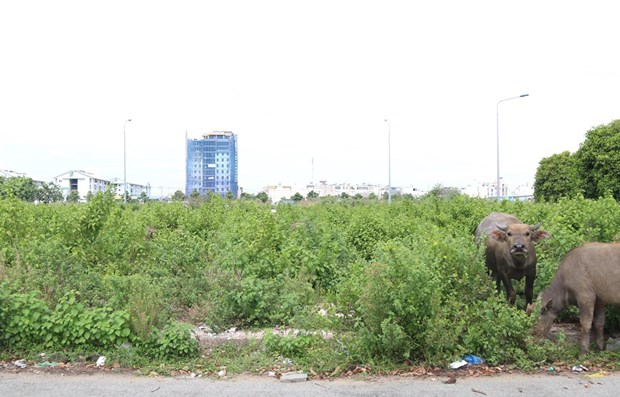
(498, 235)
(538, 235)
(547, 306)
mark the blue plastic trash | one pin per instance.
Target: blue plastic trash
(471, 359)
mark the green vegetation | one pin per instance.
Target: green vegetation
(367, 284)
(26, 189)
(593, 171)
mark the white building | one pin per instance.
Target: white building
(84, 182)
(134, 190)
(489, 190)
(279, 192)
(12, 174)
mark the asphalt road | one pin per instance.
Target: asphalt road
(52, 385)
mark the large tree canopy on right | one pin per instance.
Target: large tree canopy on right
(598, 161)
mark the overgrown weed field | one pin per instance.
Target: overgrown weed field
(364, 284)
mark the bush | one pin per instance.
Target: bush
(401, 282)
(396, 296)
(174, 341)
(27, 321)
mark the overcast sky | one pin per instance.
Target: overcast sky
(306, 85)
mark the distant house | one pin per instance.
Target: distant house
(84, 182)
(278, 192)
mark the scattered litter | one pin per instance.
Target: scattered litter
(458, 364)
(272, 374)
(471, 359)
(101, 361)
(467, 359)
(450, 381)
(579, 368)
(47, 364)
(20, 364)
(599, 374)
(294, 377)
(222, 372)
(478, 391)
(551, 369)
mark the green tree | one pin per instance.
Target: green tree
(230, 195)
(194, 195)
(49, 193)
(297, 197)
(21, 188)
(73, 197)
(312, 195)
(443, 192)
(556, 177)
(598, 161)
(178, 196)
(263, 197)
(144, 198)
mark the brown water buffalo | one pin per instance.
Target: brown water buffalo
(510, 253)
(589, 277)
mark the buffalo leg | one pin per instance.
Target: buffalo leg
(529, 289)
(599, 324)
(510, 292)
(586, 314)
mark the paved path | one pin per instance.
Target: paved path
(52, 385)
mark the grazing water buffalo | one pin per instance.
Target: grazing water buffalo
(510, 253)
(589, 277)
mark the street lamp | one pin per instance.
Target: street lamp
(389, 164)
(125, 161)
(497, 188)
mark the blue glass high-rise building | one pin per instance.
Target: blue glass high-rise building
(212, 164)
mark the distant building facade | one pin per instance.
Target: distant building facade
(488, 190)
(12, 174)
(280, 192)
(212, 165)
(84, 182)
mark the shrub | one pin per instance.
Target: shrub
(27, 321)
(174, 340)
(397, 297)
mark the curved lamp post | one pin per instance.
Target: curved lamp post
(497, 187)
